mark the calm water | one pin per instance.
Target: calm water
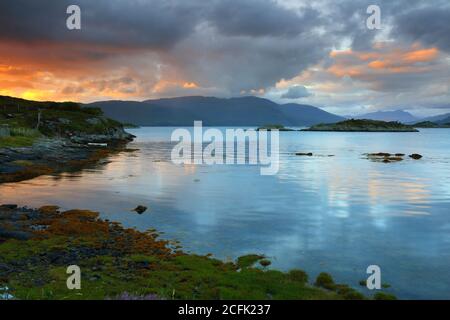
(335, 214)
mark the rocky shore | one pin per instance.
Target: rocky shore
(55, 155)
(47, 137)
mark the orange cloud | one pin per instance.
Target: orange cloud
(386, 59)
(424, 55)
(342, 71)
(377, 64)
(398, 61)
(337, 53)
(190, 85)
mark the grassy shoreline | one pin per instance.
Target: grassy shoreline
(36, 247)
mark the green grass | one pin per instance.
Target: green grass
(248, 260)
(140, 264)
(15, 142)
(56, 119)
(20, 137)
(183, 277)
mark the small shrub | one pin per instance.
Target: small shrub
(298, 276)
(384, 296)
(92, 111)
(248, 260)
(348, 293)
(65, 106)
(353, 295)
(324, 280)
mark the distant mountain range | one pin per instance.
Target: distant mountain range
(398, 115)
(440, 119)
(243, 111)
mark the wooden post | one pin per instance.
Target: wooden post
(39, 119)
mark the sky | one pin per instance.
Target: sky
(290, 51)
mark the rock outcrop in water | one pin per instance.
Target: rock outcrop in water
(363, 126)
(140, 209)
(271, 127)
(388, 157)
(431, 125)
(385, 157)
(416, 156)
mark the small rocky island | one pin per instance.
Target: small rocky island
(431, 125)
(270, 127)
(363, 125)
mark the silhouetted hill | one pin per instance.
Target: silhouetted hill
(183, 111)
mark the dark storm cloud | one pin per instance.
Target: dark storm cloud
(161, 24)
(153, 23)
(150, 23)
(241, 64)
(430, 26)
(225, 46)
(258, 18)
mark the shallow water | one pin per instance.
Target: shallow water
(336, 214)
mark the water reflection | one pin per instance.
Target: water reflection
(337, 214)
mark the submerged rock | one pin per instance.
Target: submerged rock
(416, 156)
(379, 154)
(394, 159)
(385, 157)
(140, 209)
